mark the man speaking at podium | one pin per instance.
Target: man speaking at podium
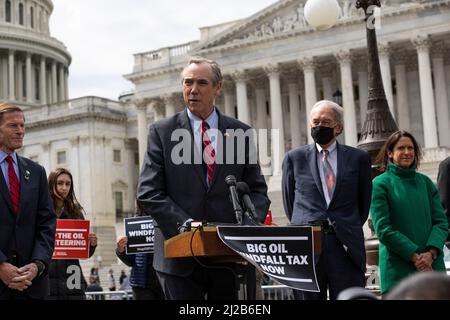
(175, 193)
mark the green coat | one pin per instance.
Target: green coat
(408, 217)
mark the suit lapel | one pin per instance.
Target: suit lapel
(342, 154)
(184, 123)
(5, 192)
(312, 160)
(24, 182)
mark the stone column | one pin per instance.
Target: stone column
(276, 111)
(42, 81)
(158, 110)
(169, 102)
(142, 122)
(20, 89)
(228, 94)
(261, 104)
(294, 107)
(66, 83)
(62, 86)
(440, 84)
(348, 100)
(29, 82)
(384, 53)
(75, 162)
(4, 75)
(404, 122)
(241, 79)
(308, 66)
(11, 73)
(363, 90)
(327, 88)
(426, 92)
(54, 83)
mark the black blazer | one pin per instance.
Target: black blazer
(443, 182)
(172, 193)
(304, 201)
(32, 232)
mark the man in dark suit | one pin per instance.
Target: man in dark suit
(329, 183)
(175, 192)
(27, 219)
(443, 182)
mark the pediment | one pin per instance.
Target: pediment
(119, 184)
(278, 17)
(282, 18)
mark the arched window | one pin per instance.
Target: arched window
(32, 17)
(21, 20)
(8, 10)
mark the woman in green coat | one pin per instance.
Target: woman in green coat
(407, 213)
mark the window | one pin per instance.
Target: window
(136, 158)
(61, 157)
(118, 200)
(32, 17)
(8, 10)
(21, 20)
(117, 156)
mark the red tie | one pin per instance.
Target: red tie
(209, 154)
(13, 185)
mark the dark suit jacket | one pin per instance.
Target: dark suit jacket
(32, 232)
(304, 202)
(173, 193)
(443, 181)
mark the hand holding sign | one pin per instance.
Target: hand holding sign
(92, 239)
(121, 244)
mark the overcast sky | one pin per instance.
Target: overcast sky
(103, 35)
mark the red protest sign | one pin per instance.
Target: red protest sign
(71, 241)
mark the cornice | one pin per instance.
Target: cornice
(72, 118)
(29, 44)
(134, 77)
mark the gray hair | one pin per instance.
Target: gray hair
(217, 73)
(338, 110)
(6, 107)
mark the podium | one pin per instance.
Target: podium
(205, 243)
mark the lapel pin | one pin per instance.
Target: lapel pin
(27, 175)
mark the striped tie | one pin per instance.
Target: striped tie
(13, 185)
(209, 154)
(330, 178)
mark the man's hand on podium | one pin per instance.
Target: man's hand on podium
(186, 226)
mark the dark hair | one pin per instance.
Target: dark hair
(72, 207)
(382, 158)
(7, 108)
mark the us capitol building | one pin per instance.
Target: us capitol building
(275, 66)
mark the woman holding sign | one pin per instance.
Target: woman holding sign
(66, 276)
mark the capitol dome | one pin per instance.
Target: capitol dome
(34, 66)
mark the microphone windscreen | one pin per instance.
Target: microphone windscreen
(242, 188)
(230, 180)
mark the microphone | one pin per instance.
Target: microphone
(231, 182)
(244, 192)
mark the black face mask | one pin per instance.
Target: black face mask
(322, 135)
